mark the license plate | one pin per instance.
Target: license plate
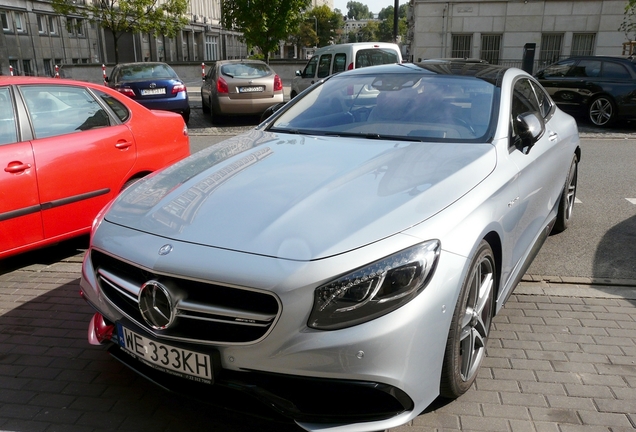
(155, 91)
(167, 358)
(251, 89)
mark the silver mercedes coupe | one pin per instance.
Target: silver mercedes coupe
(343, 261)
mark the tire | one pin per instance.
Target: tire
(566, 203)
(601, 111)
(186, 117)
(470, 325)
(293, 94)
(205, 108)
(129, 183)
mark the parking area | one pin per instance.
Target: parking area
(562, 357)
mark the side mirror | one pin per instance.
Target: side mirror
(271, 110)
(531, 128)
(299, 73)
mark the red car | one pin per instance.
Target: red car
(67, 148)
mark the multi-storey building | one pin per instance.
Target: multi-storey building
(501, 30)
(34, 39)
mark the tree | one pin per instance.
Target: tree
(130, 16)
(264, 23)
(385, 33)
(358, 11)
(368, 33)
(305, 36)
(327, 23)
(629, 25)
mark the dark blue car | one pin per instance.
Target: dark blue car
(154, 85)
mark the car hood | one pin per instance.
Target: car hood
(301, 197)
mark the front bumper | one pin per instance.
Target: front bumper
(376, 375)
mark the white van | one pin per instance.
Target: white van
(337, 58)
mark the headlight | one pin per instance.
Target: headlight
(374, 290)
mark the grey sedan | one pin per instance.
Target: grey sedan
(343, 261)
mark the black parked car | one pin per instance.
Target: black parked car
(599, 87)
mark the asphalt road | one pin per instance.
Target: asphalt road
(601, 241)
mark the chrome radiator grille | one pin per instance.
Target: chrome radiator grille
(204, 313)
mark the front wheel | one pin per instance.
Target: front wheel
(566, 203)
(470, 326)
(601, 111)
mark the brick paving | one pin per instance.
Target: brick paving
(561, 358)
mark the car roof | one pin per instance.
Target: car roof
(14, 80)
(485, 71)
(141, 64)
(629, 59)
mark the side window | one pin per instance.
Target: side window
(310, 69)
(558, 70)
(339, 62)
(8, 132)
(545, 103)
(59, 110)
(586, 68)
(118, 108)
(523, 101)
(324, 66)
(614, 71)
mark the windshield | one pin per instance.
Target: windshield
(399, 106)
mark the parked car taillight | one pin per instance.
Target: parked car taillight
(278, 83)
(127, 91)
(350, 67)
(221, 86)
(178, 88)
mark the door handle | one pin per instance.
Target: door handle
(17, 167)
(123, 145)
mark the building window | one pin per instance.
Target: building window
(52, 25)
(4, 17)
(14, 65)
(26, 67)
(490, 48)
(19, 25)
(461, 46)
(583, 44)
(48, 69)
(550, 48)
(41, 24)
(70, 26)
(79, 26)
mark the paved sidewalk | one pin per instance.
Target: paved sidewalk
(562, 358)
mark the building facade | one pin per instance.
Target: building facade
(35, 40)
(500, 30)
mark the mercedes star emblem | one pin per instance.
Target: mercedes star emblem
(155, 305)
(165, 249)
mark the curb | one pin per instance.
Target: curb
(556, 286)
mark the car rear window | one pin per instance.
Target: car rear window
(246, 70)
(375, 57)
(147, 71)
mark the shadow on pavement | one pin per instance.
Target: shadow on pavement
(614, 256)
(52, 379)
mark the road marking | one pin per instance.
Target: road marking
(577, 201)
(631, 200)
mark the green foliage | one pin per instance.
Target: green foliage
(327, 23)
(628, 26)
(134, 16)
(264, 22)
(358, 11)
